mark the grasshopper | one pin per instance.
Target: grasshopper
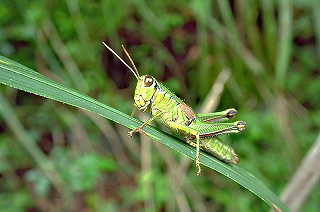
(198, 130)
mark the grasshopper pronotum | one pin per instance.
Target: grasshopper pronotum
(198, 130)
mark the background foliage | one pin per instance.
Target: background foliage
(271, 49)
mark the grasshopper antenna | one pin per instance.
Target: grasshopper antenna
(113, 52)
(128, 55)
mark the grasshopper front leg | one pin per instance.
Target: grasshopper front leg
(139, 129)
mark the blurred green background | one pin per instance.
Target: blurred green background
(263, 57)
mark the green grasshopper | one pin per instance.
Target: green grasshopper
(198, 130)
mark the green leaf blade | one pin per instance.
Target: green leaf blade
(18, 76)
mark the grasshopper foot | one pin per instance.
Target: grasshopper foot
(130, 133)
(138, 130)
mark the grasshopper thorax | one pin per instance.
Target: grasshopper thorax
(144, 92)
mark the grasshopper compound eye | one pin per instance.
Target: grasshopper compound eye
(148, 81)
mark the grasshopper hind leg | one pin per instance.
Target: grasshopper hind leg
(217, 116)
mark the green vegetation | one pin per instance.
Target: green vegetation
(55, 157)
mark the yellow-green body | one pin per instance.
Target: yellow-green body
(168, 108)
(198, 130)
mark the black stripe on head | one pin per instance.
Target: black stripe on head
(156, 89)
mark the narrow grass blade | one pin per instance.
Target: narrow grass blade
(18, 76)
(284, 41)
(316, 20)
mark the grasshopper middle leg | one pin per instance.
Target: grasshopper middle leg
(193, 132)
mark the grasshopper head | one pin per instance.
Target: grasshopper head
(144, 92)
(146, 85)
